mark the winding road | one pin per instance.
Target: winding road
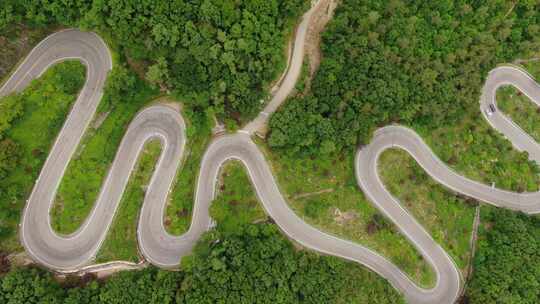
(71, 252)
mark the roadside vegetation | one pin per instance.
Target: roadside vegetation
(531, 65)
(259, 265)
(29, 123)
(236, 204)
(519, 107)
(507, 261)
(420, 64)
(121, 242)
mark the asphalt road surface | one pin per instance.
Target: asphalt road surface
(71, 252)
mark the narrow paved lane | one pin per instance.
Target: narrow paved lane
(71, 252)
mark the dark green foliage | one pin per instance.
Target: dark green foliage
(259, 266)
(218, 53)
(16, 40)
(29, 286)
(420, 62)
(9, 156)
(149, 286)
(256, 265)
(121, 85)
(507, 262)
(7, 13)
(10, 109)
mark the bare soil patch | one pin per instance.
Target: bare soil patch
(344, 217)
(320, 18)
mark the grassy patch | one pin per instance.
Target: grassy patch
(364, 286)
(180, 207)
(46, 103)
(121, 242)
(236, 204)
(88, 168)
(325, 193)
(520, 109)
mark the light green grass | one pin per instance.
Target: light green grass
(532, 67)
(87, 170)
(46, 103)
(121, 241)
(236, 203)
(180, 207)
(366, 287)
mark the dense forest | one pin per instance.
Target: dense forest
(214, 53)
(507, 264)
(257, 265)
(420, 62)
